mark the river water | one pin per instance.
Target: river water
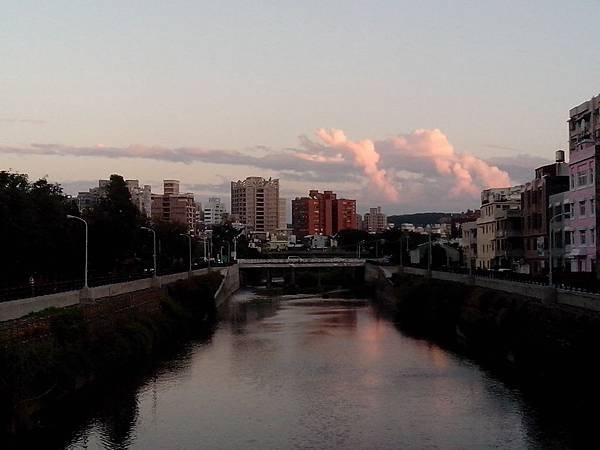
(312, 373)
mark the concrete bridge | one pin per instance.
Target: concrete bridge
(300, 263)
(271, 267)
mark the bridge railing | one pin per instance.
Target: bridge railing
(301, 261)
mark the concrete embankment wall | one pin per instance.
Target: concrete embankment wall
(229, 285)
(19, 308)
(545, 293)
(510, 327)
(50, 355)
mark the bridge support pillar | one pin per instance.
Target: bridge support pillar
(293, 280)
(319, 279)
(269, 278)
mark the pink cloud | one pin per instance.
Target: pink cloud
(470, 174)
(365, 156)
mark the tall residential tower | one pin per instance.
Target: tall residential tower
(255, 203)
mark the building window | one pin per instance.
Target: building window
(582, 237)
(591, 174)
(592, 235)
(568, 237)
(582, 208)
(557, 212)
(558, 239)
(572, 182)
(592, 206)
(581, 177)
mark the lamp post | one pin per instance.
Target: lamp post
(189, 237)
(154, 275)
(228, 251)
(234, 254)
(359, 248)
(85, 276)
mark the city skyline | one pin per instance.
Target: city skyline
(216, 98)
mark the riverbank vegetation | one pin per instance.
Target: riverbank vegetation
(75, 347)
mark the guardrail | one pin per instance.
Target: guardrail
(302, 261)
(17, 308)
(9, 293)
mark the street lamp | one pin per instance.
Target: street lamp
(359, 248)
(234, 254)
(85, 279)
(189, 237)
(154, 247)
(228, 251)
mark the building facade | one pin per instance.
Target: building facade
(584, 123)
(322, 214)
(173, 206)
(577, 237)
(374, 221)
(141, 196)
(255, 203)
(468, 243)
(282, 214)
(535, 201)
(499, 228)
(214, 212)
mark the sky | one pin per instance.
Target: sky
(414, 106)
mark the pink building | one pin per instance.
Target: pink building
(580, 228)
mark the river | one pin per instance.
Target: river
(310, 373)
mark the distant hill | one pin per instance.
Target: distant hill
(419, 218)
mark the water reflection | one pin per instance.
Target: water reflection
(309, 373)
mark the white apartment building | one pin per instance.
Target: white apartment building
(375, 221)
(214, 211)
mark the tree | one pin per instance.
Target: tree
(114, 229)
(35, 237)
(349, 239)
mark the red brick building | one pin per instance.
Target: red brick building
(322, 213)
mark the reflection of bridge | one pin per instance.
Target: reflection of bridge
(280, 266)
(299, 262)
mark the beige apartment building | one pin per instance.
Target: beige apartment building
(499, 238)
(255, 203)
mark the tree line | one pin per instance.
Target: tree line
(38, 240)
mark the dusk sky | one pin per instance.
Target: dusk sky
(415, 106)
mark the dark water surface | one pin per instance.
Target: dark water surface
(312, 374)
